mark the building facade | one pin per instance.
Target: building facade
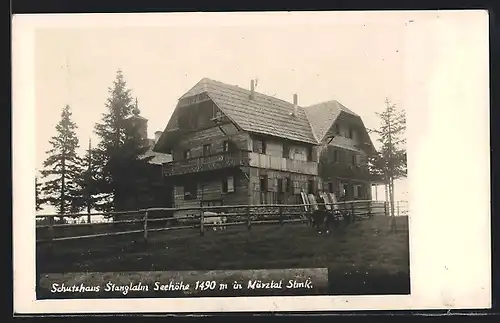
(233, 146)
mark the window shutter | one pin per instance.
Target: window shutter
(230, 184)
(314, 154)
(270, 185)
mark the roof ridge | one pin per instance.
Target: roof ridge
(245, 90)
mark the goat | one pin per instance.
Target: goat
(214, 219)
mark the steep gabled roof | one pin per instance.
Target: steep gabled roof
(266, 114)
(323, 115)
(157, 158)
(263, 114)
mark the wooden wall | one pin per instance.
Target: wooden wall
(214, 136)
(298, 182)
(209, 188)
(274, 148)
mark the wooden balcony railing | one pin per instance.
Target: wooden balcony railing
(206, 163)
(235, 159)
(283, 164)
(330, 170)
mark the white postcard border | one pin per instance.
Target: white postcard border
(448, 119)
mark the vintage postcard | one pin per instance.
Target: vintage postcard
(222, 162)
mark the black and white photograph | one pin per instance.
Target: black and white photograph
(263, 155)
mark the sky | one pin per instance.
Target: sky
(358, 62)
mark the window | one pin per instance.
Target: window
(280, 185)
(358, 191)
(310, 187)
(190, 191)
(353, 159)
(216, 113)
(337, 129)
(296, 187)
(335, 156)
(342, 156)
(259, 146)
(287, 185)
(206, 149)
(330, 187)
(351, 133)
(228, 185)
(187, 153)
(263, 183)
(286, 151)
(309, 154)
(225, 146)
(344, 187)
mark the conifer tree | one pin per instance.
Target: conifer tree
(389, 164)
(38, 199)
(61, 168)
(87, 183)
(119, 150)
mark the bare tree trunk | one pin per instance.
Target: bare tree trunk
(391, 194)
(62, 208)
(88, 213)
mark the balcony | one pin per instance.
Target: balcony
(332, 170)
(206, 163)
(283, 164)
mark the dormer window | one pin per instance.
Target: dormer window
(350, 134)
(309, 154)
(336, 129)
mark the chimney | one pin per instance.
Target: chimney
(295, 103)
(157, 136)
(252, 89)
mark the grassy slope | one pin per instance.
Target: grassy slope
(363, 257)
(364, 243)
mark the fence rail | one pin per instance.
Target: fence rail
(147, 220)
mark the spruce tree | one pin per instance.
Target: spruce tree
(87, 183)
(119, 150)
(390, 163)
(61, 168)
(38, 199)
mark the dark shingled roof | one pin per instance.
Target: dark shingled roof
(267, 115)
(158, 158)
(323, 115)
(264, 114)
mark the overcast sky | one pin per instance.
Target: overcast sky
(358, 62)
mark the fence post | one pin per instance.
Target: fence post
(397, 207)
(51, 231)
(369, 209)
(249, 220)
(146, 227)
(385, 209)
(353, 215)
(281, 215)
(202, 221)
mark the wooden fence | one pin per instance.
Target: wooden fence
(162, 219)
